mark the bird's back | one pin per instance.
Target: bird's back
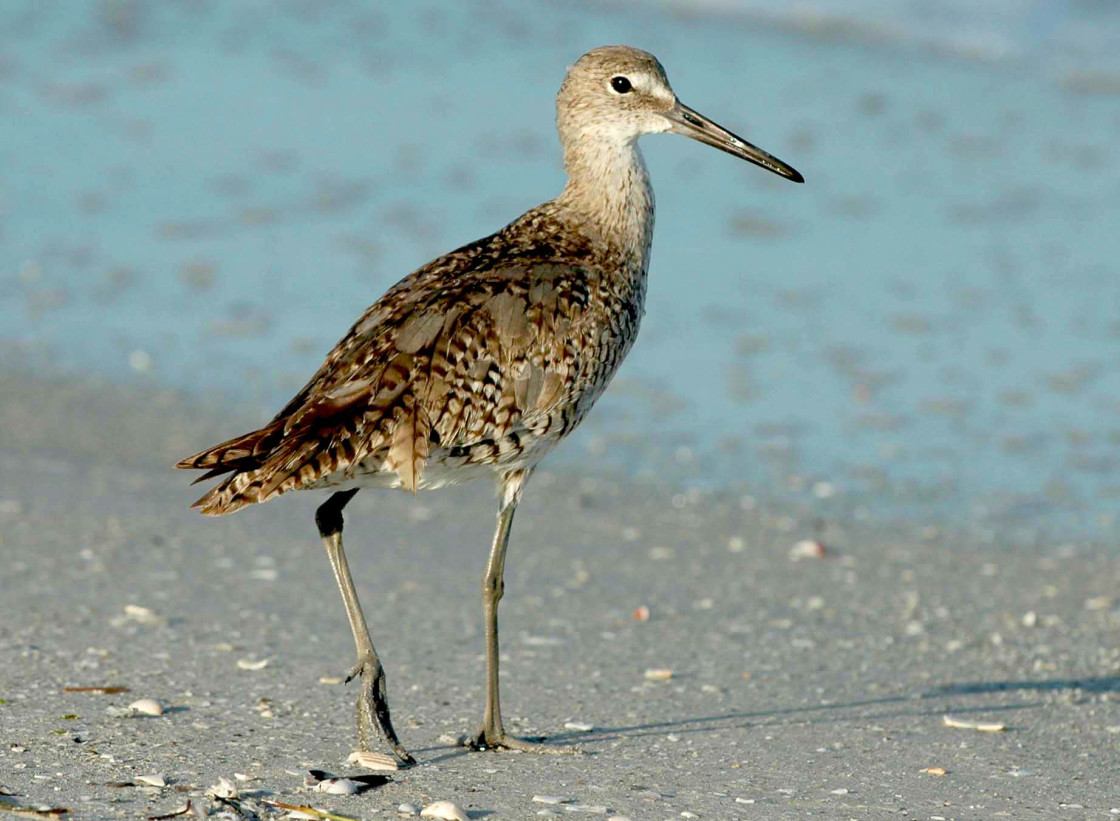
(486, 356)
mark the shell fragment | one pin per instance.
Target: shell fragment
(445, 811)
(981, 726)
(224, 789)
(373, 761)
(146, 706)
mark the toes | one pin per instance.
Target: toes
(504, 741)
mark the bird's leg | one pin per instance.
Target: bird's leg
(492, 734)
(373, 704)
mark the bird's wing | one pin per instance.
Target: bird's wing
(435, 364)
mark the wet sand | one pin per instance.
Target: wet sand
(811, 687)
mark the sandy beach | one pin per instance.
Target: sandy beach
(801, 687)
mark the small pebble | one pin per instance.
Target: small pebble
(687, 814)
(641, 613)
(140, 361)
(408, 809)
(824, 490)
(579, 726)
(146, 706)
(841, 791)
(594, 809)
(330, 680)
(659, 674)
(444, 810)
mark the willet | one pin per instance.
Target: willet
(481, 361)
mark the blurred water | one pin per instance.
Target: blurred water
(205, 195)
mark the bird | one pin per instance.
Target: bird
(482, 361)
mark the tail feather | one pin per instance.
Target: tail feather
(244, 451)
(295, 464)
(244, 456)
(326, 436)
(228, 497)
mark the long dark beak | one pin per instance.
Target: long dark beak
(695, 125)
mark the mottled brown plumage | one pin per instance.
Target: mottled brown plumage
(484, 357)
(481, 361)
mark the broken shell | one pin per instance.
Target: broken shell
(373, 761)
(144, 615)
(659, 675)
(245, 664)
(444, 810)
(223, 789)
(935, 771)
(981, 726)
(408, 809)
(579, 726)
(641, 613)
(152, 780)
(146, 706)
(338, 786)
(807, 549)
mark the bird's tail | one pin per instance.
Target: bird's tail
(245, 457)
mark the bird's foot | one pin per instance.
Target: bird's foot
(373, 708)
(500, 740)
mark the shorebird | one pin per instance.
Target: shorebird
(480, 362)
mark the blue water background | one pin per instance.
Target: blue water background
(205, 195)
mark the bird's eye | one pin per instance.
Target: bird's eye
(621, 85)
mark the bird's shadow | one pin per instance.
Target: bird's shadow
(843, 711)
(1104, 684)
(831, 712)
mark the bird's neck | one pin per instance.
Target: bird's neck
(610, 197)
